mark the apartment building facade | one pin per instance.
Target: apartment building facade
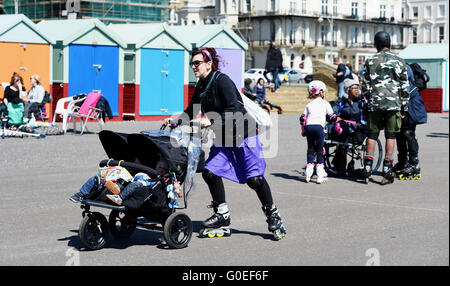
(312, 29)
(429, 20)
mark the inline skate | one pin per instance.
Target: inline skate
(218, 224)
(388, 173)
(411, 171)
(274, 221)
(367, 170)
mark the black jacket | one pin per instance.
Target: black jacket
(103, 104)
(274, 59)
(223, 105)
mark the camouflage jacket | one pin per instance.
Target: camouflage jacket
(385, 83)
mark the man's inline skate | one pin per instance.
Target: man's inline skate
(218, 224)
(411, 171)
(274, 221)
(388, 173)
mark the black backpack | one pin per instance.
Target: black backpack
(420, 76)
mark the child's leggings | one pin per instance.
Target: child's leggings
(315, 138)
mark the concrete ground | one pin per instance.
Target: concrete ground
(340, 222)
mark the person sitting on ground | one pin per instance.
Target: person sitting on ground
(260, 92)
(248, 90)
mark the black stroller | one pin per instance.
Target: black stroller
(139, 153)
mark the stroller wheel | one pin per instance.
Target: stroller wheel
(93, 232)
(178, 230)
(121, 224)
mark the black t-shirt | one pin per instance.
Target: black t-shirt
(223, 99)
(341, 68)
(13, 95)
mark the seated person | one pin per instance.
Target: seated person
(259, 91)
(13, 98)
(348, 110)
(248, 91)
(34, 99)
(121, 193)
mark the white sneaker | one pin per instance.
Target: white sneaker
(322, 176)
(309, 172)
(115, 198)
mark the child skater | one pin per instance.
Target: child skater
(313, 120)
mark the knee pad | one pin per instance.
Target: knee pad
(255, 183)
(409, 134)
(389, 135)
(209, 176)
(373, 135)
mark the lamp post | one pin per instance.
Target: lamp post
(331, 22)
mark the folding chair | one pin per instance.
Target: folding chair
(87, 111)
(64, 112)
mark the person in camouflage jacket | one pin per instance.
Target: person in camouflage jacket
(385, 92)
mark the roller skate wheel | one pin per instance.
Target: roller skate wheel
(219, 234)
(211, 235)
(401, 177)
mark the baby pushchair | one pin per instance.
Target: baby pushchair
(139, 153)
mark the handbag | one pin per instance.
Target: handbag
(261, 117)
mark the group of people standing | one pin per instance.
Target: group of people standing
(385, 96)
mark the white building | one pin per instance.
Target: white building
(429, 19)
(311, 29)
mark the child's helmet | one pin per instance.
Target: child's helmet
(316, 86)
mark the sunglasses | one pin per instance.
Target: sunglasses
(196, 63)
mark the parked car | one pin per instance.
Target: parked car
(295, 76)
(255, 74)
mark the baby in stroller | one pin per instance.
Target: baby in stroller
(121, 184)
(124, 190)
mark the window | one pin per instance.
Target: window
(323, 34)
(441, 10)
(303, 6)
(428, 12)
(427, 34)
(414, 36)
(335, 7)
(272, 5)
(415, 12)
(382, 11)
(233, 6)
(324, 7)
(364, 10)
(353, 35)
(441, 34)
(292, 60)
(354, 9)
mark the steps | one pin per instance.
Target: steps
(293, 99)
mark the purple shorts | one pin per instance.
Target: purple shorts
(237, 163)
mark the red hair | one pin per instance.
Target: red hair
(209, 55)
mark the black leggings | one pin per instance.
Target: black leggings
(217, 189)
(407, 145)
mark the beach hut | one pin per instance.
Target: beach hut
(434, 59)
(155, 71)
(230, 47)
(25, 49)
(85, 58)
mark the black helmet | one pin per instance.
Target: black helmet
(382, 39)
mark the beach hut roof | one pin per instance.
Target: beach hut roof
(70, 30)
(201, 35)
(425, 51)
(141, 34)
(18, 28)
